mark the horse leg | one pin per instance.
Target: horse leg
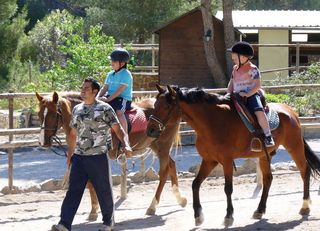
(259, 182)
(174, 183)
(163, 174)
(94, 203)
(205, 169)
(297, 150)
(228, 189)
(267, 179)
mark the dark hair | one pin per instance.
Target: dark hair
(94, 83)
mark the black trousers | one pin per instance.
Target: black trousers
(96, 169)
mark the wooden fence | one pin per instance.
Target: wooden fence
(153, 48)
(11, 143)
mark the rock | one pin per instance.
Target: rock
(50, 185)
(14, 190)
(116, 179)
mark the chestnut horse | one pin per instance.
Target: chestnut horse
(55, 113)
(222, 137)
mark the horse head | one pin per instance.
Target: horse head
(50, 118)
(166, 110)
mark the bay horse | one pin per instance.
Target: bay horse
(222, 137)
(56, 112)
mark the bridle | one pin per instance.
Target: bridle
(54, 137)
(162, 123)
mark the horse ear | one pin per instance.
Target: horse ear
(172, 92)
(55, 97)
(39, 97)
(160, 89)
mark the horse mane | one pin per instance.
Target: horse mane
(196, 95)
(67, 102)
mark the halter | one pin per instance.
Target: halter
(162, 123)
(54, 137)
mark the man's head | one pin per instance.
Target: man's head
(89, 88)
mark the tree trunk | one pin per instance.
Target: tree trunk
(229, 33)
(215, 67)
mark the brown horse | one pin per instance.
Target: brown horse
(222, 137)
(56, 112)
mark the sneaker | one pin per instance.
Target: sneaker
(59, 227)
(268, 141)
(106, 228)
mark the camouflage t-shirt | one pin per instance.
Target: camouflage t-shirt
(93, 125)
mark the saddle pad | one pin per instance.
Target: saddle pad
(137, 120)
(272, 116)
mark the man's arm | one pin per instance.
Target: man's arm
(71, 140)
(123, 137)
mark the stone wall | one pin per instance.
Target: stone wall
(145, 81)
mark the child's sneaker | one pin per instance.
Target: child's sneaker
(268, 141)
(59, 227)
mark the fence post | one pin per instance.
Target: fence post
(153, 54)
(297, 57)
(10, 150)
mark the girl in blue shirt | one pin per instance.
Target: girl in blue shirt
(117, 90)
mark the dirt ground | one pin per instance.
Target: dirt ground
(39, 210)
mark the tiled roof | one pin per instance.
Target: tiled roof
(274, 19)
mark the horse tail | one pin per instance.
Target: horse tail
(312, 159)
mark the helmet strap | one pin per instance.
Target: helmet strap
(241, 64)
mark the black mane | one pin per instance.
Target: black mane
(196, 95)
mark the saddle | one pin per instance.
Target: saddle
(137, 122)
(251, 121)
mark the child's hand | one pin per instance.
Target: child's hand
(243, 94)
(104, 99)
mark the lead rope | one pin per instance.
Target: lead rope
(59, 142)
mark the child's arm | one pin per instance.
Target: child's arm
(116, 93)
(230, 86)
(102, 91)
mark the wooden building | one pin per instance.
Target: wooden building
(182, 59)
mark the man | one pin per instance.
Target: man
(90, 133)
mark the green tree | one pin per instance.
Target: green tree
(11, 30)
(68, 54)
(131, 20)
(8, 9)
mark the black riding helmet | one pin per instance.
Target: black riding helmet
(120, 54)
(242, 48)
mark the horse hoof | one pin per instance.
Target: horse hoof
(199, 220)
(257, 215)
(92, 217)
(304, 211)
(228, 221)
(183, 202)
(151, 211)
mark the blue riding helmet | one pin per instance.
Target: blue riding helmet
(120, 54)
